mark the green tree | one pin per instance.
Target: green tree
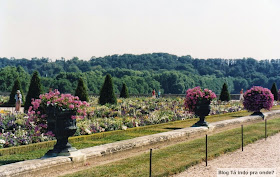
(171, 82)
(124, 92)
(16, 87)
(274, 91)
(225, 96)
(63, 85)
(34, 90)
(81, 90)
(107, 94)
(8, 76)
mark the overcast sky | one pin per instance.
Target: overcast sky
(86, 28)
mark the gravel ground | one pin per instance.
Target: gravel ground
(262, 154)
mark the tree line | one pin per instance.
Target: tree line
(142, 73)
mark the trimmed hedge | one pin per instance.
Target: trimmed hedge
(35, 89)
(26, 148)
(81, 90)
(224, 96)
(274, 91)
(107, 94)
(124, 92)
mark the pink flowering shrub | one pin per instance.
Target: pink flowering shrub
(258, 98)
(37, 113)
(196, 94)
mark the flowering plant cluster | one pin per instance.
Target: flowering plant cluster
(37, 113)
(258, 98)
(196, 94)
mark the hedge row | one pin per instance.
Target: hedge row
(26, 148)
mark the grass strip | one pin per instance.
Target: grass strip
(176, 158)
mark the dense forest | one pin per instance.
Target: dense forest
(142, 73)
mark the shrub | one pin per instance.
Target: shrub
(224, 96)
(124, 92)
(16, 87)
(258, 98)
(274, 91)
(81, 90)
(107, 94)
(34, 90)
(195, 94)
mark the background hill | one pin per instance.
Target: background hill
(142, 73)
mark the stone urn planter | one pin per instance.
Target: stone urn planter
(59, 121)
(58, 112)
(202, 109)
(258, 113)
(258, 98)
(198, 101)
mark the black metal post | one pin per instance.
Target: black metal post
(265, 130)
(206, 150)
(151, 162)
(242, 136)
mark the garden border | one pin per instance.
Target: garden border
(50, 144)
(51, 166)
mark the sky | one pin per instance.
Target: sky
(84, 28)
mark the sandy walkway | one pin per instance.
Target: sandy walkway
(262, 154)
(11, 109)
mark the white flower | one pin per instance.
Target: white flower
(88, 131)
(124, 127)
(2, 141)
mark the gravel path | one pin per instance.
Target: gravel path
(262, 154)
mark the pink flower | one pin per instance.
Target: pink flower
(71, 106)
(37, 115)
(258, 98)
(195, 94)
(30, 108)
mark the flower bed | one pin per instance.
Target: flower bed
(127, 113)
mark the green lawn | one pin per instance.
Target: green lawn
(177, 158)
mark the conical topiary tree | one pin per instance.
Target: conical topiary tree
(34, 90)
(274, 91)
(224, 96)
(107, 94)
(16, 87)
(124, 91)
(81, 90)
